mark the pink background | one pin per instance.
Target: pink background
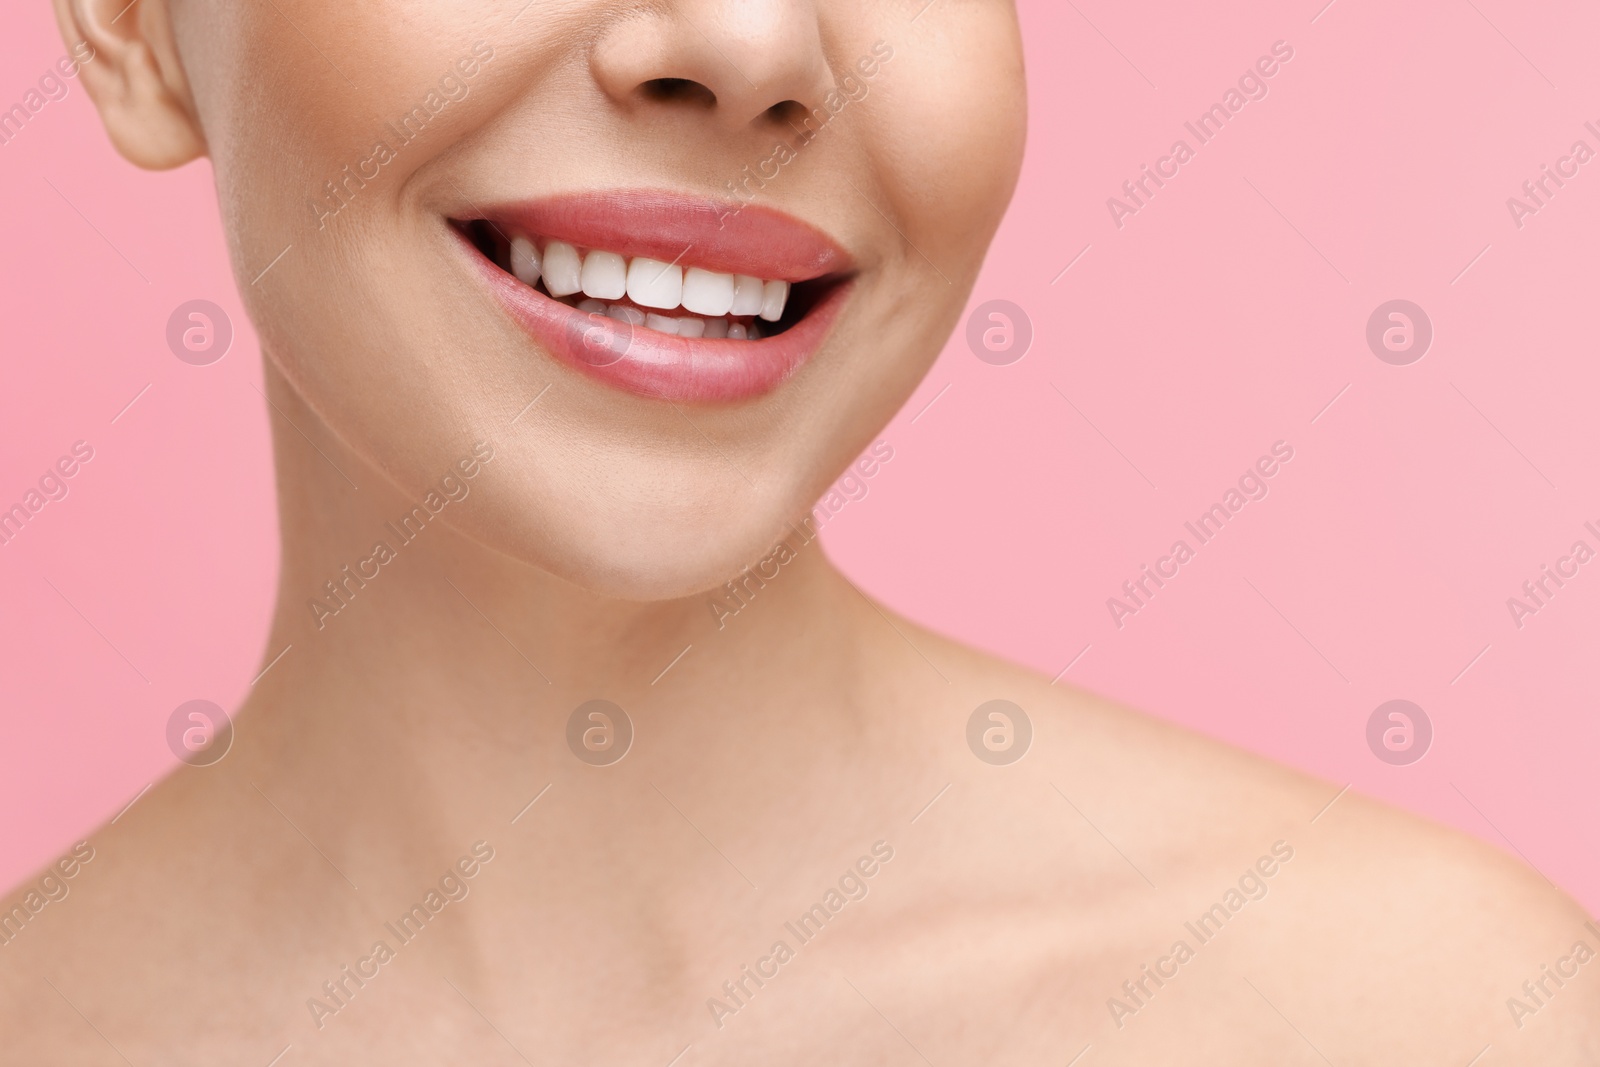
(1222, 317)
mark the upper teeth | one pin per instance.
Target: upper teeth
(647, 282)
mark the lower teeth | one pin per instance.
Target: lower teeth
(680, 326)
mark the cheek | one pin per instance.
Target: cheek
(953, 131)
(328, 272)
(285, 118)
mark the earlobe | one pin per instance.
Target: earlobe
(128, 62)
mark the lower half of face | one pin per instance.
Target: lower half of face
(677, 263)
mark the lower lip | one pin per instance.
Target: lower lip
(649, 363)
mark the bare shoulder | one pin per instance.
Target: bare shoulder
(29, 999)
(1379, 936)
(156, 908)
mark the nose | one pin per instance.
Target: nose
(741, 62)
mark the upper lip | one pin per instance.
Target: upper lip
(716, 235)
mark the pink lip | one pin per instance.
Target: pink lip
(717, 236)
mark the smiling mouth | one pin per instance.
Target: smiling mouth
(675, 298)
(661, 294)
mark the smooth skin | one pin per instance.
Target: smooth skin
(427, 714)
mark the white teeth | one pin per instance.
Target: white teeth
(624, 313)
(605, 276)
(524, 260)
(773, 296)
(562, 269)
(706, 292)
(714, 298)
(654, 284)
(747, 293)
(685, 326)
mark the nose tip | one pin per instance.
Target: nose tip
(738, 62)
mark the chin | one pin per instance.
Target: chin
(638, 551)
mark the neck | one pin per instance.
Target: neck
(429, 687)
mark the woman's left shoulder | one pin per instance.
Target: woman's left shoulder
(1401, 936)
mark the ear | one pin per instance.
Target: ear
(128, 60)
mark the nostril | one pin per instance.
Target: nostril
(678, 90)
(792, 112)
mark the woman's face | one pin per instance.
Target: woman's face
(387, 169)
